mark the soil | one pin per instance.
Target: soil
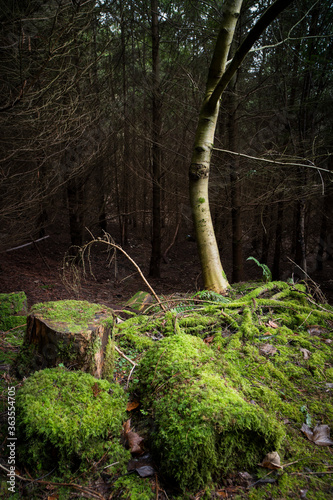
(40, 271)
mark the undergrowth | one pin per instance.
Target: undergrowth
(221, 381)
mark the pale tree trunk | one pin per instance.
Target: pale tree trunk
(213, 274)
(218, 78)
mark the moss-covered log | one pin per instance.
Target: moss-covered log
(71, 332)
(204, 426)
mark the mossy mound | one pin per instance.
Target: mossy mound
(265, 350)
(204, 425)
(13, 310)
(68, 416)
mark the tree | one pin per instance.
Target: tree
(218, 78)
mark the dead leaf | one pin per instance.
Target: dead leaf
(271, 324)
(208, 340)
(96, 389)
(316, 330)
(272, 461)
(306, 353)
(221, 493)
(145, 471)
(320, 434)
(132, 439)
(268, 349)
(132, 405)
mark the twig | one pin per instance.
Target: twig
(129, 376)
(130, 360)
(171, 244)
(107, 466)
(308, 473)
(253, 484)
(124, 355)
(107, 241)
(15, 327)
(83, 489)
(41, 255)
(26, 244)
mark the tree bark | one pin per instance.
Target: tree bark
(155, 261)
(218, 78)
(59, 341)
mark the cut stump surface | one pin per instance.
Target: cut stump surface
(71, 332)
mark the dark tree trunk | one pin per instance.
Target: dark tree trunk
(278, 242)
(155, 261)
(235, 187)
(75, 197)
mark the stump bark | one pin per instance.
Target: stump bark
(74, 333)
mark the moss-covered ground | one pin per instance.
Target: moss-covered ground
(220, 382)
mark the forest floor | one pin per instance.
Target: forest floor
(42, 274)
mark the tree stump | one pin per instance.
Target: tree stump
(72, 332)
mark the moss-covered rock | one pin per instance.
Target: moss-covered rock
(204, 425)
(13, 310)
(66, 416)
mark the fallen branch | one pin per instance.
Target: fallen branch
(108, 241)
(26, 244)
(83, 489)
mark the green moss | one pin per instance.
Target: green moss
(72, 315)
(13, 310)
(71, 413)
(204, 424)
(133, 488)
(109, 360)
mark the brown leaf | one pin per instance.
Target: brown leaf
(316, 330)
(272, 461)
(267, 349)
(134, 443)
(132, 405)
(306, 353)
(96, 389)
(208, 340)
(271, 324)
(132, 439)
(320, 434)
(126, 426)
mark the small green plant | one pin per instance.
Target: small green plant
(266, 272)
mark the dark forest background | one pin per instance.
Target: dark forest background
(92, 95)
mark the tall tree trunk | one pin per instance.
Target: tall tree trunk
(213, 273)
(235, 188)
(75, 197)
(218, 78)
(124, 202)
(300, 254)
(155, 261)
(278, 242)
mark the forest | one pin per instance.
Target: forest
(181, 151)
